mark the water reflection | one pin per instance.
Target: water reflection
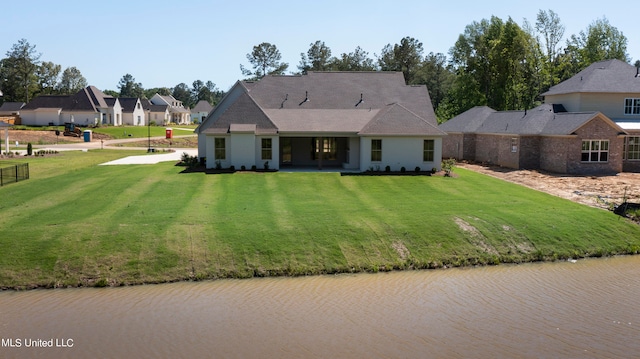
(583, 309)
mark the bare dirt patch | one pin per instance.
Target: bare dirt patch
(595, 191)
(37, 137)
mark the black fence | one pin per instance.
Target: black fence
(15, 173)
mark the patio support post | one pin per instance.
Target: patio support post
(321, 153)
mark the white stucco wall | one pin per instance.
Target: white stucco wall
(242, 149)
(353, 154)
(40, 117)
(274, 161)
(398, 152)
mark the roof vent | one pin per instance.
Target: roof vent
(637, 71)
(306, 98)
(286, 97)
(361, 100)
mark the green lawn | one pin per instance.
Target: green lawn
(76, 223)
(142, 131)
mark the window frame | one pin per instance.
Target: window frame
(220, 148)
(631, 106)
(428, 154)
(594, 151)
(376, 150)
(632, 148)
(328, 147)
(266, 149)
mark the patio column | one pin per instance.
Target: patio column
(321, 150)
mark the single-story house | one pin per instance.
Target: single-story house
(546, 137)
(200, 111)
(87, 107)
(349, 120)
(589, 124)
(11, 108)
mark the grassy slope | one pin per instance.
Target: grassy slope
(82, 224)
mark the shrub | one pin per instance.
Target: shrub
(254, 167)
(266, 165)
(243, 168)
(218, 165)
(387, 169)
(232, 168)
(448, 165)
(403, 170)
(434, 170)
(29, 149)
(417, 169)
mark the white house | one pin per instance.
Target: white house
(87, 107)
(133, 114)
(179, 114)
(200, 111)
(349, 120)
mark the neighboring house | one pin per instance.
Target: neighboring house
(546, 137)
(613, 88)
(351, 120)
(88, 107)
(10, 112)
(11, 108)
(178, 113)
(156, 114)
(200, 112)
(589, 124)
(133, 114)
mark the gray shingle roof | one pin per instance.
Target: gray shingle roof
(202, 106)
(541, 120)
(612, 76)
(11, 107)
(332, 102)
(87, 99)
(128, 103)
(396, 119)
(243, 111)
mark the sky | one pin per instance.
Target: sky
(164, 43)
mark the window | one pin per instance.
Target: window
(220, 152)
(595, 151)
(139, 120)
(326, 146)
(428, 151)
(376, 150)
(514, 145)
(266, 149)
(632, 106)
(138, 105)
(633, 148)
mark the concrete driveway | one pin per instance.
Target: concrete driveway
(153, 158)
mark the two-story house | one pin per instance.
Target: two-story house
(589, 124)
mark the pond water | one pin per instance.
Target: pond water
(587, 309)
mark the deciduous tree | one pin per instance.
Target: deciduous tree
(71, 81)
(317, 58)
(129, 87)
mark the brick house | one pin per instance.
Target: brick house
(590, 124)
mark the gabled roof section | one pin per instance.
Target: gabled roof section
(397, 120)
(243, 111)
(341, 90)
(610, 76)
(128, 103)
(542, 120)
(202, 106)
(11, 107)
(88, 99)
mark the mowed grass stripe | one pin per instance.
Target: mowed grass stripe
(135, 224)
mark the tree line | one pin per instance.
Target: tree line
(24, 76)
(493, 63)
